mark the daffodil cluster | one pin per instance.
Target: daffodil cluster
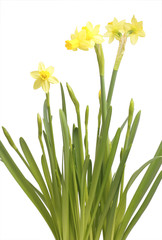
(117, 29)
(85, 39)
(89, 36)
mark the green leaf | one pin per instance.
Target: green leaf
(77, 154)
(65, 211)
(110, 227)
(89, 174)
(124, 123)
(47, 175)
(134, 128)
(98, 163)
(83, 194)
(113, 189)
(65, 135)
(26, 187)
(34, 167)
(56, 187)
(50, 137)
(122, 204)
(106, 176)
(65, 183)
(143, 206)
(73, 192)
(40, 181)
(140, 192)
(86, 131)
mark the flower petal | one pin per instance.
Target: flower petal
(50, 70)
(37, 84)
(133, 38)
(85, 45)
(53, 79)
(89, 26)
(46, 86)
(134, 20)
(111, 38)
(115, 21)
(82, 35)
(141, 33)
(35, 74)
(106, 34)
(41, 67)
(96, 29)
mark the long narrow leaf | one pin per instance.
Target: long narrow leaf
(109, 235)
(65, 183)
(141, 190)
(108, 167)
(143, 206)
(122, 204)
(26, 187)
(77, 154)
(113, 189)
(40, 181)
(73, 192)
(34, 167)
(98, 163)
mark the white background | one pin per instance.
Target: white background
(34, 31)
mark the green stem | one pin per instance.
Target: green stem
(111, 87)
(55, 167)
(100, 59)
(118, 59)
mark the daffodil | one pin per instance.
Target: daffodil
(93, 33)
(43, 77)
(134, 30)
(114, 30)
(78, 40)
(85, 39)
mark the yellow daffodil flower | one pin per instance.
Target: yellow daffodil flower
(93, 33)
(43, 77)
(114, 30)
(78, 40)
(134, 30)
(84, 39)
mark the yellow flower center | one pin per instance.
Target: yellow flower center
(44, 75)
(72, 44)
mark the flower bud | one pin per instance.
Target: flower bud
(131, 110)
(7, 135)
(86, 115)
(39, 121)
(72, 96)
